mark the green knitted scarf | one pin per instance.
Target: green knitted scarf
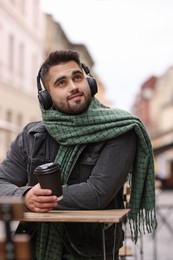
(99, 124)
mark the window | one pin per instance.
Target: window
(22, 6)
(21, 60)
(19, 120)
(9, 116)
(8, 133)
(1, 48)
(35, 12)
(34, 69)
(11, 53)
(12, 2)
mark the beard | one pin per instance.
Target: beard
(74, 107)
(78, 108)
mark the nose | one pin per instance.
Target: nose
(72, 86)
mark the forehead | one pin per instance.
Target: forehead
(64, 69)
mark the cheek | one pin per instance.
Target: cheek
(57, 95)
(85, 89)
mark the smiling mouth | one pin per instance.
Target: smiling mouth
(75, 96)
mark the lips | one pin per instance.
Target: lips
(78, 95)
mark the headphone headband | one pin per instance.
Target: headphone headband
(39, 80)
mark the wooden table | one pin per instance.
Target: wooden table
(99, 216)
(13, 209)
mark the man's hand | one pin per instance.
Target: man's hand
(40, 200)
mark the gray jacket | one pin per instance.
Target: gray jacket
(95, 182)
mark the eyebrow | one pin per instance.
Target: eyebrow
(64, 77)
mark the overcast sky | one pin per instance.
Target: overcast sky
(129, 40)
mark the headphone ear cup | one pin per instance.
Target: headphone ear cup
(45, 99)
(93, 85)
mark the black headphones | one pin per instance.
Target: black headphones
(44, 97)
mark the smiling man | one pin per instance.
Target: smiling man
(97, 147)
(68, 88)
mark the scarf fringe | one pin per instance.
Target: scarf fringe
(144, 222)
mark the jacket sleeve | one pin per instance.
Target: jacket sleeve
(13, 170)
(107, 176)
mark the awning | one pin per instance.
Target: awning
(163, 148)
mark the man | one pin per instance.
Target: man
(97, 147)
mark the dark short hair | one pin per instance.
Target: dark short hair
(56, 58)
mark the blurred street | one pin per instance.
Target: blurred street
(160, 245)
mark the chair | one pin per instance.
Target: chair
(15, 247)
(126, 250)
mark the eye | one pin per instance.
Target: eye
(61, 83)
(78, 77)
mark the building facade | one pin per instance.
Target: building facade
(22, 49)
(28, 36)
(154, 105)
(162, 127)
(56, 39)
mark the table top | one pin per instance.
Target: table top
(102, 216)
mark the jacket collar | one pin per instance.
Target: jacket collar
(37, 127)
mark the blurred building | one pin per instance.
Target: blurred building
(56, 39)
(141, 106)
(27, 36)
(154, 105)
(21, 45)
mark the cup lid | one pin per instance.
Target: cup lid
(47, 168)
